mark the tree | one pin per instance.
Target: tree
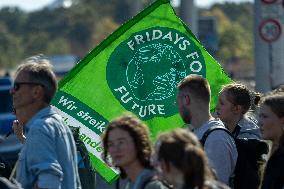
(14, 19)
(234, 44)
(238, 12)
(235, 41)
(36, 43)
(58, 46)
(10, 48)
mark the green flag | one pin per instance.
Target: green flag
(136, 69)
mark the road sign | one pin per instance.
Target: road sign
(274, 10)
(268, 1)
(270, 30)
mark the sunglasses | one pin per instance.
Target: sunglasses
(17, 85)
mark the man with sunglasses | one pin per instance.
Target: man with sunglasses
(48, 158)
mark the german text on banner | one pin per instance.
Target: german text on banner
(135, 69)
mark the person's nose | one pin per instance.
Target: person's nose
(115, 148)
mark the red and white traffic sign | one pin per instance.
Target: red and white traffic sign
(270, 30)
(268, 1)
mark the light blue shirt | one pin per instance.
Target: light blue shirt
(48, 157)
(220, 148)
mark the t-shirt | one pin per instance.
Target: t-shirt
(220, 149)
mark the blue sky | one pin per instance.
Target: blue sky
(30, 5)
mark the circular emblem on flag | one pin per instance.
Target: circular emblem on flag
(144, 70)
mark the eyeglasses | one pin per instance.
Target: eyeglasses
(120, 143)
(17, 85)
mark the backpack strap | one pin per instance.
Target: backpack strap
(236, 131)
(210, 130)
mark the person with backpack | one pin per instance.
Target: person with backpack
(250, 162)
(234, 102)
(271, 121)
(181, 160)
(127, 146)
(193, 100)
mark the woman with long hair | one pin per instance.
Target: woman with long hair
(180, 159)
(127, 146)
(271, 121)
(234, 102)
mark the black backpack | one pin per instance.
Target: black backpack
(250, 162)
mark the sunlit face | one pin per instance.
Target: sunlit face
(121, 148)
(271, 125)
(22, 94)
(224, 108)
(183, 107)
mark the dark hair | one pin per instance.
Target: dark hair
(139, 133)
(183, 149)
(194, 166)
(239, 94)
(40, 70)
(276, 103)
(196, 85)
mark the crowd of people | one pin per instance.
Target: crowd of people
(181, 159)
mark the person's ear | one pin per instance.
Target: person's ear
(38, 92)
(187, 99)
(237, 108)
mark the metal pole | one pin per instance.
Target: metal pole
(261, 54)
(270, 65)
(136, 7)
(188, 13)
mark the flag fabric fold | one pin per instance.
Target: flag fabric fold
(136, 69)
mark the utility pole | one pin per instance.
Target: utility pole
(269, 44)
(136, 7)
(188, 13)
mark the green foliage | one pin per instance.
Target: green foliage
(235, 30)
(238, 13)
(14, 19)
(58, 46)
(36, 42)
(58, 31)
(235, 44)
(10, 48)
(86, 23)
